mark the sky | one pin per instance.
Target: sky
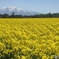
(42, 6)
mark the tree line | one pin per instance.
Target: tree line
(48, 15)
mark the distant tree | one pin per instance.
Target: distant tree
(5, 16)
(50, 15)
(0, 15)
(12, 15)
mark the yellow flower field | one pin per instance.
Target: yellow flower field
(29, 38)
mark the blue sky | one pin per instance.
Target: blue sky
(42, 6)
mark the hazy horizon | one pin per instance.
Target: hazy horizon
(42, 6)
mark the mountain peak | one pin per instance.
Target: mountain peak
(12, 8)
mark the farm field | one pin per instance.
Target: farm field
(29, 38)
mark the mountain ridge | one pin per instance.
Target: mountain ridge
(17, 11)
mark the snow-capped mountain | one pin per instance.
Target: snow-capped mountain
(17, 11)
